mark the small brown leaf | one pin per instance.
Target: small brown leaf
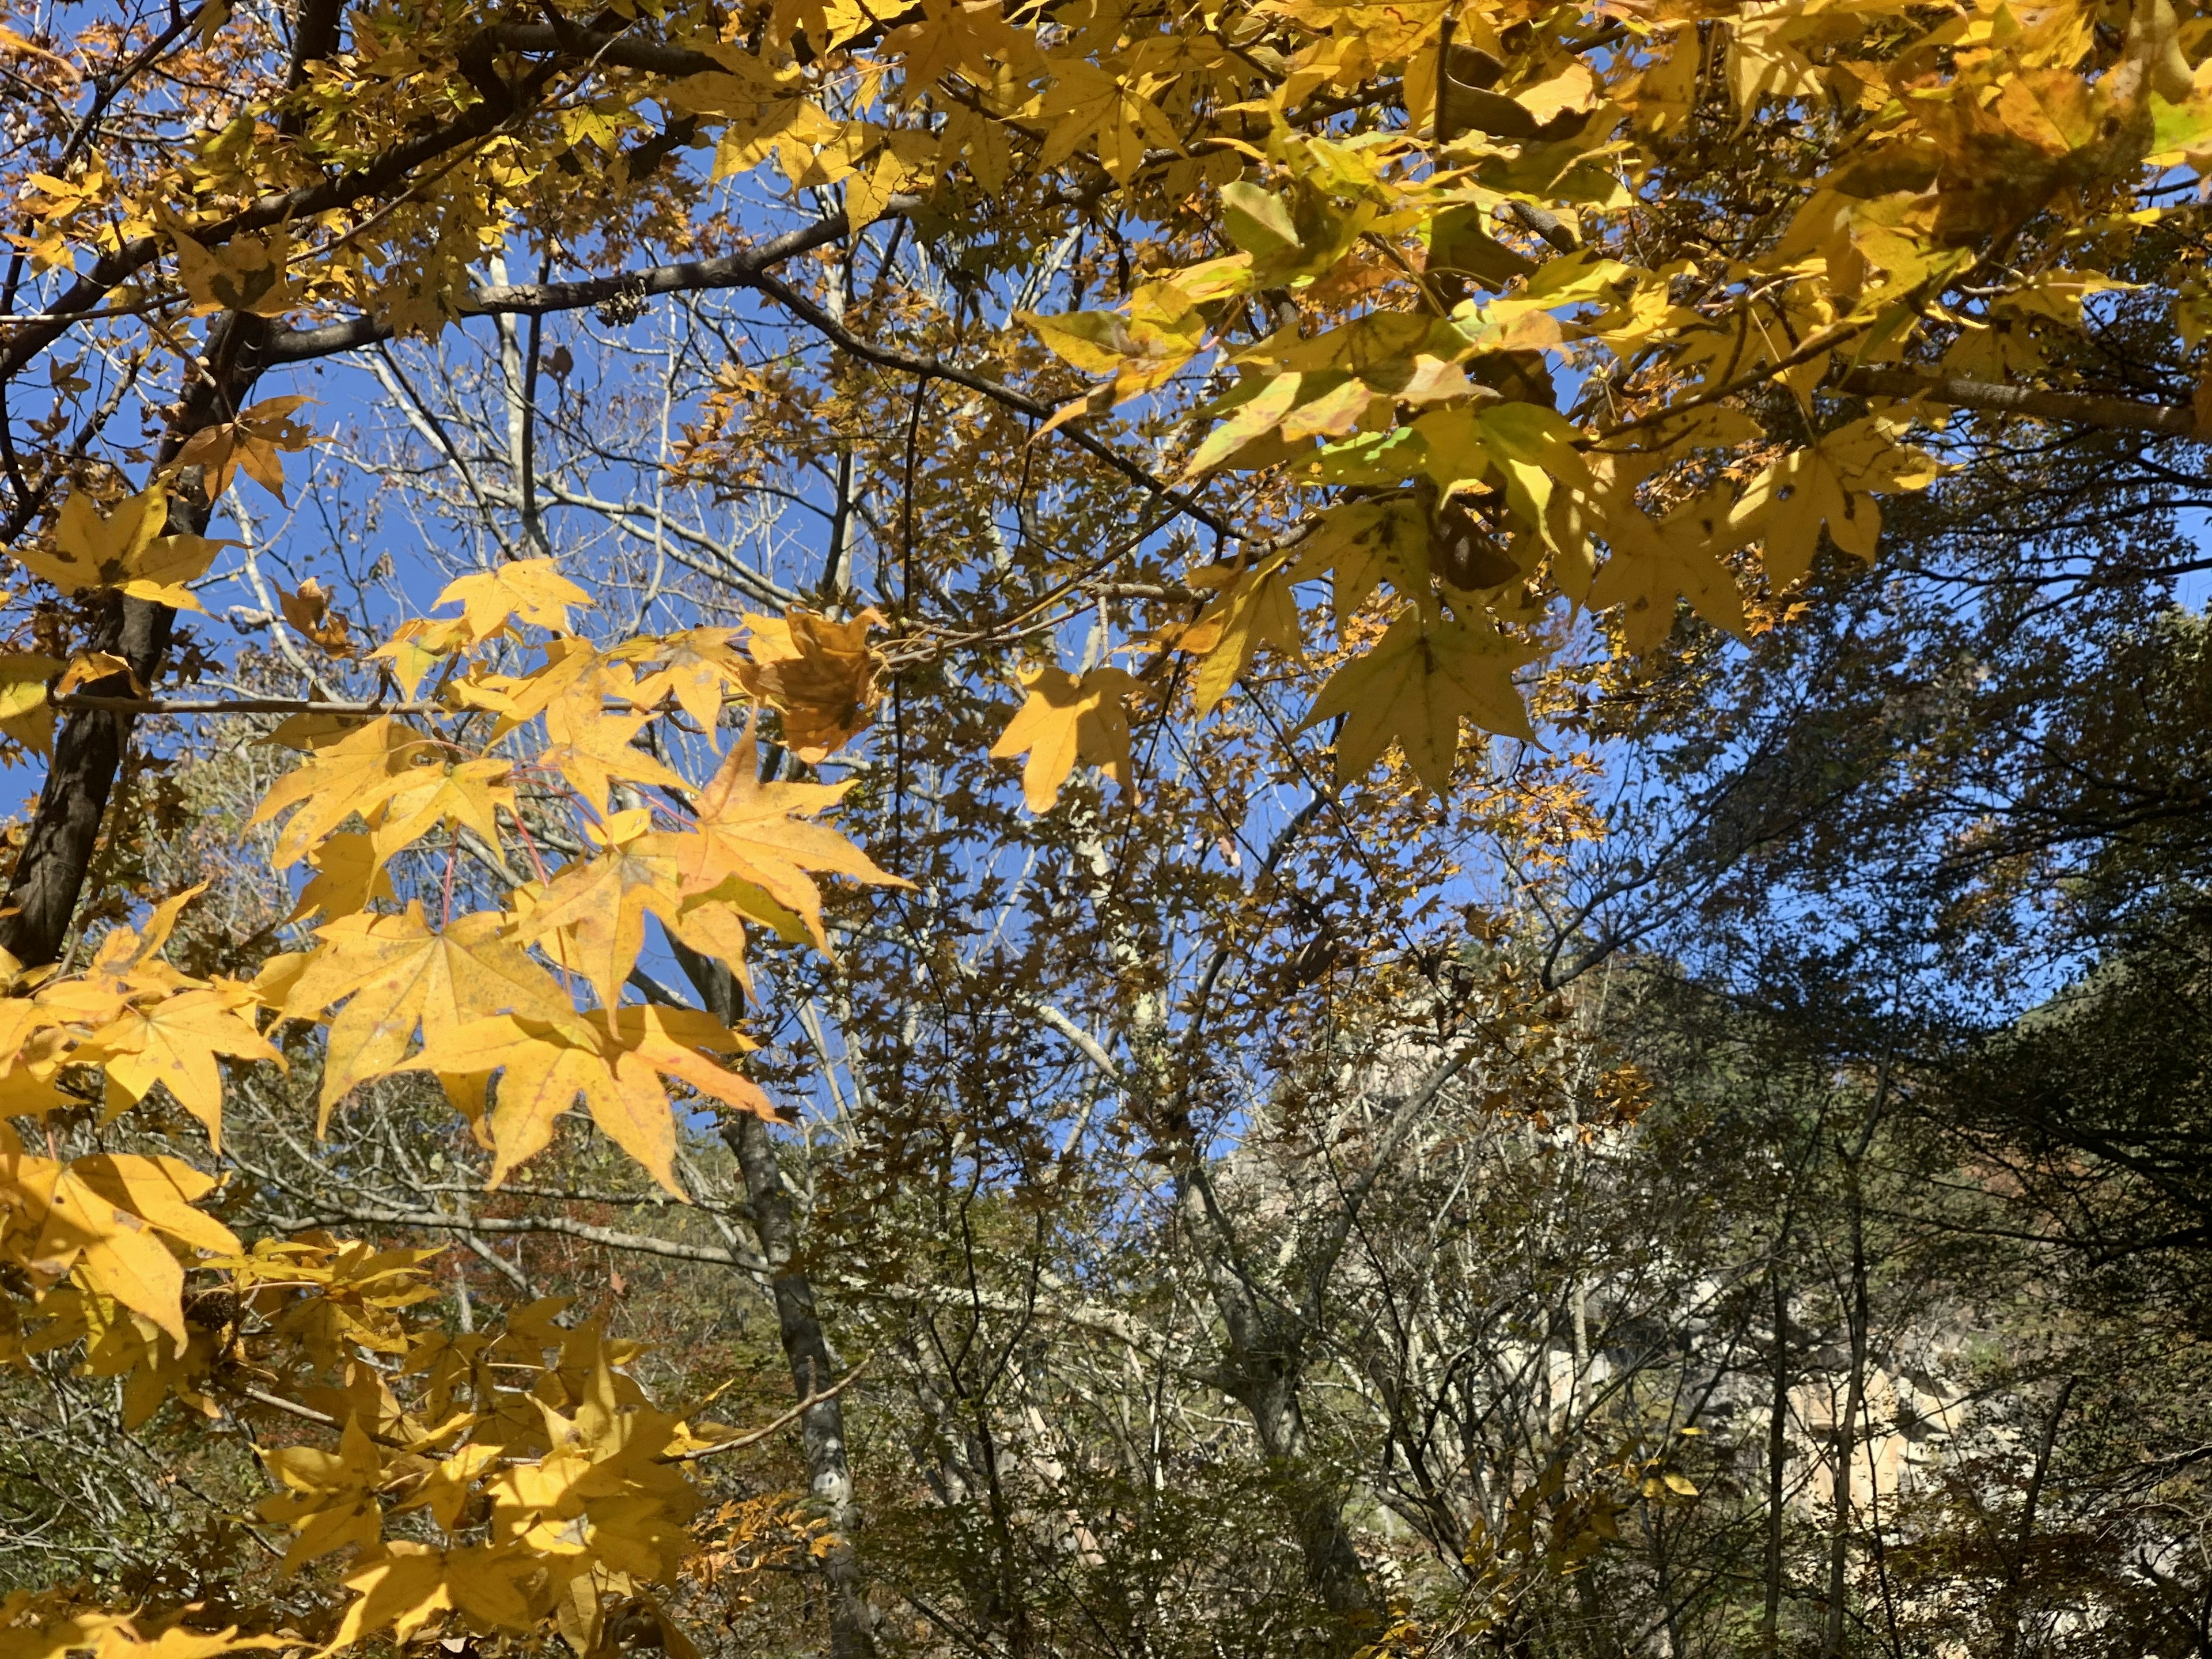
(309, 612)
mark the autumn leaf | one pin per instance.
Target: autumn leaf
(354, 775)
(759, 835)
(309, 610)
(246, 273)
(332, 1498)
(423, 798)
(26, 713)
(698, 668)
(107, 1217)
(257, 441)
(125, 549)
(1831, 481)
(600, 902)
(174, 1042)
(394, 975)
(349, 873)
(1067, 720)
(612, 1061)
(818, 673)
(533, 591)
(591, 750)
(1252, 608)
(1414, 686)
(1653, 561)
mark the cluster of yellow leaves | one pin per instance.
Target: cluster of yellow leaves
(518, 1011)
(1427, 299)
(498, 1482)
(124, 1225)
(556, 1490)
(1412, 273)
(705, 860)
(47, 1625)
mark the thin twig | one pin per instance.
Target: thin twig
(754, 1436)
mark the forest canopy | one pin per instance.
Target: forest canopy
(1104, 827)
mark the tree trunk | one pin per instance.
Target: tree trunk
(1777, 1450)
(1846, 1426)
(1261, 1369)
(65, 831)
(814, 1365)
(57, 849)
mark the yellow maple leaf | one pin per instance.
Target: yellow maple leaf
(349, 873)
(533, 590)
(245, 273)
(1415, 685)
(570, 674)
(107, 1218)
(331, 1500)
(424, 797)
(1064, 721)
(599, 902)
(394, 974)
(174, 1042)
(354, 775)
(26, 713)
(124, 549)
(1253, 608)
(1652, 561)
(1831, 481)
(591, 748)
(697, 667)
(757, 835)
(612, 1060)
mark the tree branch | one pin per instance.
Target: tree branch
(2067, 408)
(740, 270)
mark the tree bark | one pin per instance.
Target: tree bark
(1777, 1450)
(814, 1365)
(1262, 1367)
(1846, 1426)
(64, 831)
(50, 873)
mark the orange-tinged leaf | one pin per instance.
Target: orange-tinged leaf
(819, 673)
(255, 441)
(1254, 607)
(310, 615)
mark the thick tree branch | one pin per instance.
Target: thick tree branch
(739, 269)
(2066, 408)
